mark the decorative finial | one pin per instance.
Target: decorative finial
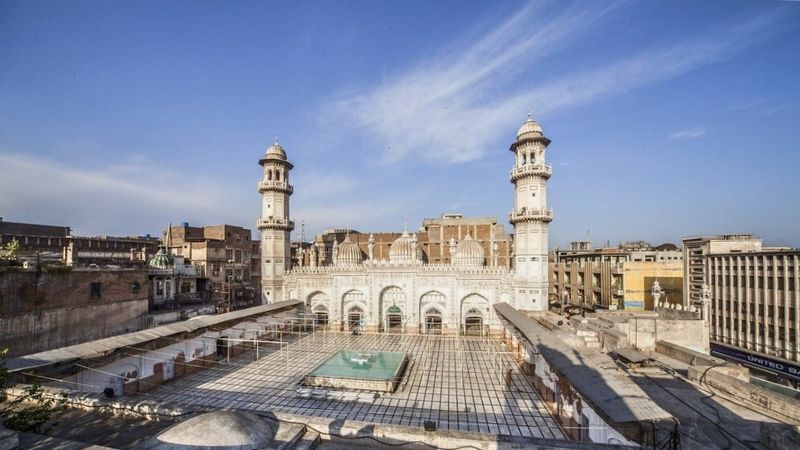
(276, 140)
(169, 236)
(530, 115)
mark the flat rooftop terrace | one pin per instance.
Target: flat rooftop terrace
(461, 383)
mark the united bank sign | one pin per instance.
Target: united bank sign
(779, 367)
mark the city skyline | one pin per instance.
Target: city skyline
(119, 119)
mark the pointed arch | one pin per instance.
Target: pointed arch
(474, 313)
(317, 297)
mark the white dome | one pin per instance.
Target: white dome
(275, 151)
(405, 249)
(349, 254)
(219, 430)
(529, 129)
(469, 253)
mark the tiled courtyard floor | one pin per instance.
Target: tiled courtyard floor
(459, 382)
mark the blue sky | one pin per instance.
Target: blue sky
(668, 119)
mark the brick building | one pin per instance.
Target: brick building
(225, 256)
(434, 239)
(56, 244)
(42, 310)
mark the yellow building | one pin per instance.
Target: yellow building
(638, 278)
(620, 277)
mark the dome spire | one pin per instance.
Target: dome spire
(529, 128)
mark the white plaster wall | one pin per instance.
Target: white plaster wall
(339, 290)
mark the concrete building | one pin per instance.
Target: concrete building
(56, 244)
(442, 279)
(222, 254)
(750, 295)
(619, 277)
(695, 250)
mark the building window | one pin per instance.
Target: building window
(94, 291)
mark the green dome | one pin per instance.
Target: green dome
(161, 260)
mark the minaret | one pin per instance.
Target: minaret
(274, 222)
(530, 216)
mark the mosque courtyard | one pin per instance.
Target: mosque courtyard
(458, 382)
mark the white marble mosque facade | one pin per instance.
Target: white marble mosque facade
(403, 293)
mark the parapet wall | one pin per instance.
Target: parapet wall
(645, 330)
(34, 332)
(771, 403)
(687, 355)
(42, 311)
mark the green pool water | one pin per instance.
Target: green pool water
(381, 366)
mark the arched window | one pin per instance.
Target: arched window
(277, 175)
(269, 175)
(523, 159)
(432, 321)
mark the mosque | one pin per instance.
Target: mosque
(442, 282)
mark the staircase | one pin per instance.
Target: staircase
(588, 336)
(295, 436)
(308, 441)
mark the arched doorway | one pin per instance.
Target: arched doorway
(352, 300)
(317, 302)
(432, 322)
(321, 316)
(392, 303)
(355, 319)
(473, 322)
(394, 320)
(474, 314)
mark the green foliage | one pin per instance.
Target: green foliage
(31, 410)
(8, 252)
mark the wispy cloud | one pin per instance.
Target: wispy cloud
(444, 108)
(688, 134)
(449, 108)
(132, 195)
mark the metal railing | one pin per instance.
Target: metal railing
(545, 214)
(273, 222)
(531, 169)
(265, 185)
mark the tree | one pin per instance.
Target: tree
(31, 410)
(8, 252)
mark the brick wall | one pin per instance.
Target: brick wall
(43, 311)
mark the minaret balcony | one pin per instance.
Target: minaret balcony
(270, 185)
(542, 170)
(274, 223)
(531, 215)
